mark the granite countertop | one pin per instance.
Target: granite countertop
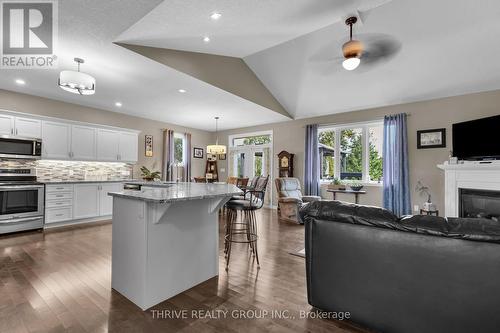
(71, 181)
(170, 192)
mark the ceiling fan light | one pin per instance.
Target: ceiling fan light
(351, 63)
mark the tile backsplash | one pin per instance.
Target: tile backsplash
(48, 170)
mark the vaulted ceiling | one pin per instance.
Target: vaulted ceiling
(291, 48)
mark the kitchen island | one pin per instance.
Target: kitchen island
(165, 239)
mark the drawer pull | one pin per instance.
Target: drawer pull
(59, 188)
(59, 196)
(59, 214)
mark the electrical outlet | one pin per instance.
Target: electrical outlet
(71, 173)
(222, 170)
(416, 208)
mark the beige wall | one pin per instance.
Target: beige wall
(41, 106)
(423, 115)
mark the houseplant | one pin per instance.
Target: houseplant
(149, 175)
(424, 190)
(336, 184)
(355, 185)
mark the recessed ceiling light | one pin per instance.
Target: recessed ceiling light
(182, 91)
(20, 82)
(118, 104)
(215, 16)
(206, 39)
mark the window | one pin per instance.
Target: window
(351, 152)
(179, 148)
(258, 156)
(252, 140)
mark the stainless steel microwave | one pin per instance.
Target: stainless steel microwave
(20, 148)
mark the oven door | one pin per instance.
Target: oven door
(20, 148)
(20, 202)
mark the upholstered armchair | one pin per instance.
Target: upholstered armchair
(290, 198)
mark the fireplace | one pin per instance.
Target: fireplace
(479, 204)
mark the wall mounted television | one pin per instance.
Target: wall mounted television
(477, 139)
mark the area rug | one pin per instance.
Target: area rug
(299, 253)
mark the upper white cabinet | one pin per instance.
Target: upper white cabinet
(128, 147)
(55, 140)
(108, 143)
(28, 127)
(20, 126)
(67, 140)
(6, 125)
(83, 143)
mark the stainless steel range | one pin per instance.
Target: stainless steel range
(21, 200)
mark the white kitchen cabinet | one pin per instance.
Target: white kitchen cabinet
(108, 143)
(6, 125)
(55, 140)
(128, 147)
(106, 201)
(58, 203)
(28, 128)
(83, 143)
(85, 201)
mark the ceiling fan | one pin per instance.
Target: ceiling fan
(366, 51)
(374, 49)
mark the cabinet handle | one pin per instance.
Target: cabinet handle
(12, 131)
(59, 214)
(59, 196)
(59, 188)
(16, 131)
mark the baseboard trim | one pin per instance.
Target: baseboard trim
(77, 222)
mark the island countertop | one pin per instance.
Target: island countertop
(179, 192)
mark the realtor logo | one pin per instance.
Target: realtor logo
(28, 33)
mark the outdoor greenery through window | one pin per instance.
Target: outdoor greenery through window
(252, 140)
(360, 152)
(178, 148)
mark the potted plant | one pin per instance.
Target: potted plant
(336, 184)
(355, 185)
(149, 175)
(425, 191)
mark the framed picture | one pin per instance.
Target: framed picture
(222, 157)
(148, 141)
(198, 152)
(434, 138)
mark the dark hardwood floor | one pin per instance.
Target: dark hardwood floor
(60, 281)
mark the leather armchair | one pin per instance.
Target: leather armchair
(290, 198)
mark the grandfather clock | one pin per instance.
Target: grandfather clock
(285, 163)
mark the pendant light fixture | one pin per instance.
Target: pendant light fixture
(77, 82)
(216, 149)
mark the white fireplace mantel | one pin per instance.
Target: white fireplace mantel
(468, 175)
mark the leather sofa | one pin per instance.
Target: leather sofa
(290, 198)
(415, 274)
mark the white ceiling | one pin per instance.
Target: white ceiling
(246, 26)
(87, 29)
(449, 48)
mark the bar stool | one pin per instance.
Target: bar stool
(246, 230)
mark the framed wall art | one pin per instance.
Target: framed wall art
(148, 142)
(434, 138)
